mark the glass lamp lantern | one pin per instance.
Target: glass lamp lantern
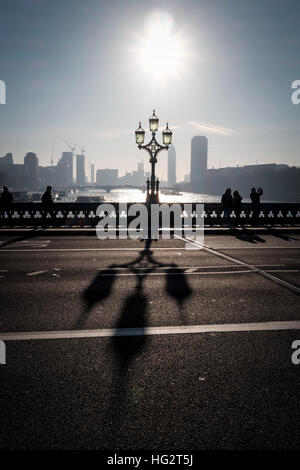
(167, 136)
(140, 135)
(153, 122)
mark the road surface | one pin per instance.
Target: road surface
(137, 345)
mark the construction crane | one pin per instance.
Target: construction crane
(52, 151)
(82, 150)
(71, 147)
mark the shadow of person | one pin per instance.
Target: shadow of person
(250, 237)
(35, 232)
(283, 236)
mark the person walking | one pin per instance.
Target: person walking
(227, 205)
(237, 206)
(48, 206)
(6, 200)
(255, 199)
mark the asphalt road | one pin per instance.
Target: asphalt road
(153, 389)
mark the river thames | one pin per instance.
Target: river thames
(137, 195)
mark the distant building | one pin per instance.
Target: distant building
(7, 159)
(48, 176)
(198, 160)
(7, 167)
(140, 174)
(80, 170)
(279, 182)
(107, 177)
(92, 173)
(65, 170)
(31, 164)
(171, 166)
(140, 167)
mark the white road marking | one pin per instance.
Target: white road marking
(256, 247)
(3, 270)
(151, 249)
(35, 273)
(97, 249)
(29, 244)
(192, 272)
(242, 263)
(119, 268)
(154, 330)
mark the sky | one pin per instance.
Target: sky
(87, 71)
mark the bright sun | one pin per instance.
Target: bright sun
(161, 50)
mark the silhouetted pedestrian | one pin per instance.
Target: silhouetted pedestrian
(255, 199)
(237, 205)
(227, 205)
(48, 206)
(6, 200)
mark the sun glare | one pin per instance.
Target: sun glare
(161, 49)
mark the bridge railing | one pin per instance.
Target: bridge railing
(85, 214)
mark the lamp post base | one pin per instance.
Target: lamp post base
(152, 198)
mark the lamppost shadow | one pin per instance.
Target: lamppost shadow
(125, 345)
(101, 287)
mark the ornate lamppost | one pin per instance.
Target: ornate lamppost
(153, 148)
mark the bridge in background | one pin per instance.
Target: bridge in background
(107, 188)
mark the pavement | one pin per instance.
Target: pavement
(130, 344)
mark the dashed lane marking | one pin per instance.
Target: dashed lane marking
(155, 330)
(35, 273)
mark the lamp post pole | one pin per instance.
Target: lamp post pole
(153, 148)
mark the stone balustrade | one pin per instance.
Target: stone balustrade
(85, 214)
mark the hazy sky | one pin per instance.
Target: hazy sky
(89, 70)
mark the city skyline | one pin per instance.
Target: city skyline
(234, 84)
(279, 180)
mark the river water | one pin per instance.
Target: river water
(136, 195)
